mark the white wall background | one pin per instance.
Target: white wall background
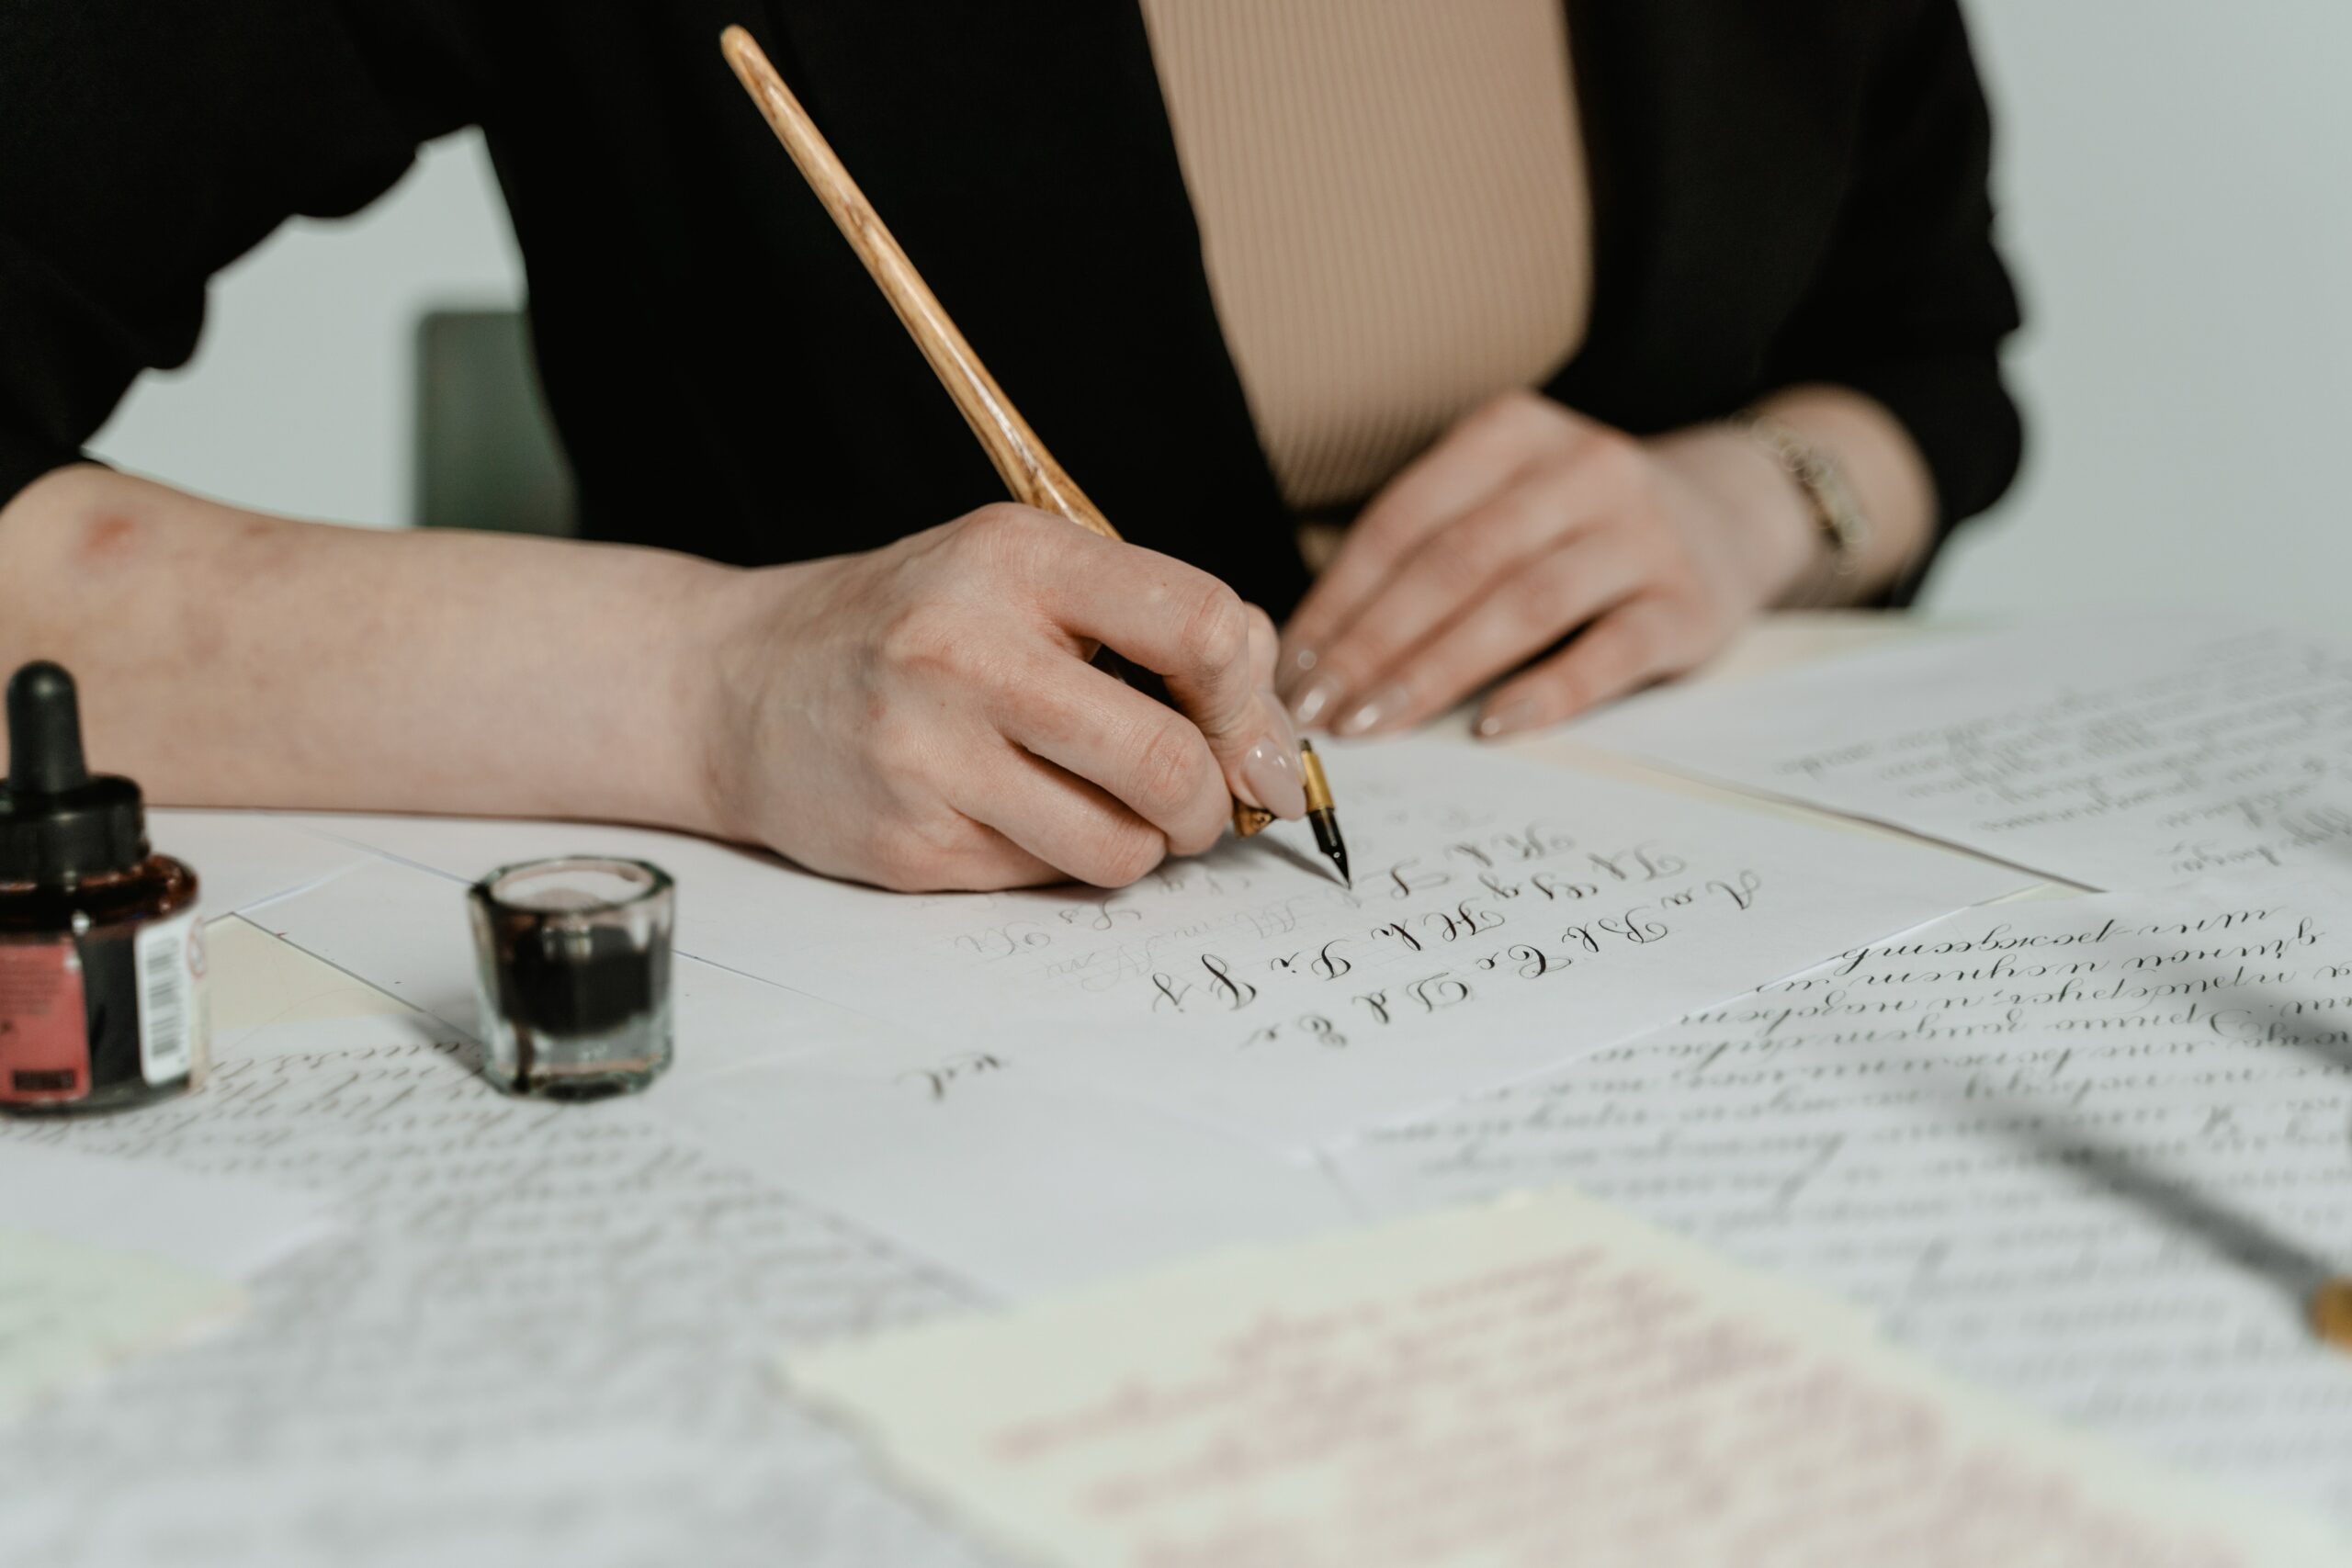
(2177, 180)
(298, 401)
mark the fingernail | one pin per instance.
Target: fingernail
(1377, 709)
(1297, 665)
(1271, 769)
(1308, 704)
(1509, 719)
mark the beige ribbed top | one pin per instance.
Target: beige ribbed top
(1393, 210)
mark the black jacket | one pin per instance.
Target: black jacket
(1782, 193)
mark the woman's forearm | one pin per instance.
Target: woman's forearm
(230, 659)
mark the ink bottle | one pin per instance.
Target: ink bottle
(102, 1000)
(572, 960)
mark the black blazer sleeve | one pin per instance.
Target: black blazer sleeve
(1913, 301)
(144, 147)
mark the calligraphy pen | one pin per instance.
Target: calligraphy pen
(1029, 470)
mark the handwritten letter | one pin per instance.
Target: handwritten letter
(1544, 1383)
(542, 1341)
(2125, 755)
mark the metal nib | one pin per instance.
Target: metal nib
(1320, 816)
(1325, 824)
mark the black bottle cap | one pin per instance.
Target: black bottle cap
(57, 822)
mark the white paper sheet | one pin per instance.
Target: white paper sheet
(226, 1226)
(2117, 754)
(2093, 1154)
(245, 859)
(1015, 1179)
(541, 1341)
(966, 1157)
(1548, 1382)
(1507, 916)
(404, 931)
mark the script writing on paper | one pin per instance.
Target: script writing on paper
(2091, 1153)
(539, 1340)
(1546, 1381)
(2131, 753)
(1508, 916)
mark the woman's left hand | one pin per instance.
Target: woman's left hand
(1528, 522)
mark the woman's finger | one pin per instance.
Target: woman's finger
(1473, 461)
(1195, 634)
(1638, 642)
(1141, 753)
(1068, 823)
(1579, 579)
(1265, 645)
(1273, 776)
(1451, 577)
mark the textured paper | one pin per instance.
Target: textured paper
(1543, 1382)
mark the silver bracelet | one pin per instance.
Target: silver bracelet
(1845, 528)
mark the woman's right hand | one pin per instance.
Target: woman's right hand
(923, 717)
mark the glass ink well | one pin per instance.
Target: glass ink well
(102, 1001)
(572, 970)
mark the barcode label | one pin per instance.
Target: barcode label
(168, 1003)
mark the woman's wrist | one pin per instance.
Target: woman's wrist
(729, 659)
(1770, 531)
(1885, 477)
(1773, 528)
(694, 606)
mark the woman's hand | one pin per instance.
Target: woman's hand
(925, 715)
(1528, 522)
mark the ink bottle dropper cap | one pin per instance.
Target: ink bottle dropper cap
(59, 823)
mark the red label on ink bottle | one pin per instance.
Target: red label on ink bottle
(44, 1026)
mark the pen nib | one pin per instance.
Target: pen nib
(1334, 848)
(1319, 813)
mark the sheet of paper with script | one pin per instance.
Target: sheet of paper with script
(1507, 916)
(2122, 753)
(2093, 1155)
(542, 1339)
(1545, 1380)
